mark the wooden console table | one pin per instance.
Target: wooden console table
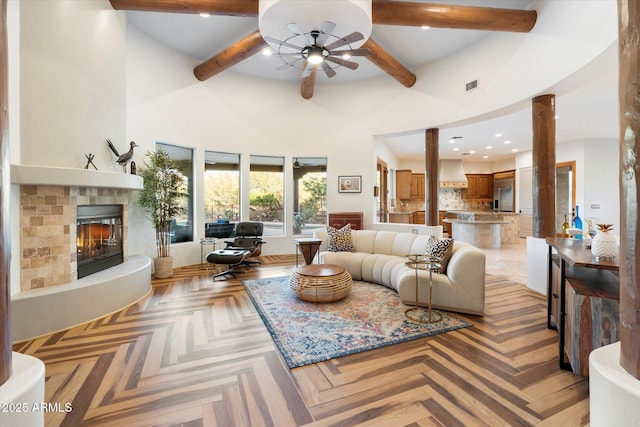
(340, 219)
(582, 301)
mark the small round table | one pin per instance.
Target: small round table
(320, 283)
(423, 262)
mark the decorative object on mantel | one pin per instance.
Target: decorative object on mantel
(124, 158)
(90, 158)
(604, 245)
(163, 190)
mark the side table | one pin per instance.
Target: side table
(423, 262)
(309, 247)
(206, 241)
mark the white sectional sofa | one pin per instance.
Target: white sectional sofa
(380, 256)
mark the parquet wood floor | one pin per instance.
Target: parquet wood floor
(196, 353)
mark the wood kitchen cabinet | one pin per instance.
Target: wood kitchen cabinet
(417, 217)
(480, 187)
(417, 185)
(403, 184)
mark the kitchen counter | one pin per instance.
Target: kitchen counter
(488, 229)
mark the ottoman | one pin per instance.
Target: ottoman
(229, 257)
(320, 283)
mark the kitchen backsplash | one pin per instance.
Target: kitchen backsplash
(450, 199)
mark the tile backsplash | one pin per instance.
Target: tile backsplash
(449, 199)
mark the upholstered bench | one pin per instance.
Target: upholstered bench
(229, 257)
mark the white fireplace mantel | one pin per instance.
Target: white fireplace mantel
(69, 177)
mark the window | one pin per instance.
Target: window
(266, 193)
(221, 187)
(182, 228)
(310, 194)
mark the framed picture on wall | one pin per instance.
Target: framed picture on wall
(350, 184)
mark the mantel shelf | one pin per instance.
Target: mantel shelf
(48, 175)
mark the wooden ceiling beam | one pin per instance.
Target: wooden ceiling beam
(412, 14)
(243, 49)
(213, 7)
(388, 63)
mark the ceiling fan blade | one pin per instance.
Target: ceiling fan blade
(352, 52)
(291, 64)
(243, 49)
(213, 7)
(330, 72)
(295, 29)
(325, 32)
(389, 64)
(351, 38)
(308, 84)
(283, 43)
(450, 16)
(348, 64)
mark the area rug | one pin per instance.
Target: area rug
(372, 316)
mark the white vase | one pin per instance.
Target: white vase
(604, 246)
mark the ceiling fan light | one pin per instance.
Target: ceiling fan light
(315, 55)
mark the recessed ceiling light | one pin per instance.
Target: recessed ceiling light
(556, 117)
(514, 149)
(472, 151)
(346, 57)
(267, 51)
(489, 147)
(498, 135)
(451, 141)
(204, 14)
(456, 149)
(425, 27)
(507, 142)
(485, 157)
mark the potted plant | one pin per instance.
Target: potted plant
(163, 190)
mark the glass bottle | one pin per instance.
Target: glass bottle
(565, 227)
(577, 222)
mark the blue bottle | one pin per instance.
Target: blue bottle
(577, 222)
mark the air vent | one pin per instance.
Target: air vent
(472, 85)
(466, 154)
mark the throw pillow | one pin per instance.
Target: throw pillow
(441, 249)
(340, 240)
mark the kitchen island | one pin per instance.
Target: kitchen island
(484, 229)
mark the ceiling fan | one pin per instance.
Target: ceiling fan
(383, 12)
(316, 52)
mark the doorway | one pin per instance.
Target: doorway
(381, 192)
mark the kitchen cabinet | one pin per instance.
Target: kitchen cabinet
(417, 185)
(399, 217)
(417, 217)
(480, 187)
(403, 184)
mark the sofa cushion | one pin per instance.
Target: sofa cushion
(340, 240)
(441, 249)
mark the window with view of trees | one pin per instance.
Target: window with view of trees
(266, 193)
(182, 228)
(221, 186)
(310, 194)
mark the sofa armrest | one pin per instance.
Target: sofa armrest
(466, 270)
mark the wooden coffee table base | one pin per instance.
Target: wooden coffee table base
(321, 283)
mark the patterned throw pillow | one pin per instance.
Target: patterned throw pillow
(340, 240)
(441, 249)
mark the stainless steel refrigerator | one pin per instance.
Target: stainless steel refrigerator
(503, 195)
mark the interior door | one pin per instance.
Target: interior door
(525, 201)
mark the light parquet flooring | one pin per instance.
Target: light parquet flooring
(196, 353)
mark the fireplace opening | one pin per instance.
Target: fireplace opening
(99, 238)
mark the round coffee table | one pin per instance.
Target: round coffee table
(320, 283)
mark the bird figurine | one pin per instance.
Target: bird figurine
(124, 158)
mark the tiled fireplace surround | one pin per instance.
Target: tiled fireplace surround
(48, 230)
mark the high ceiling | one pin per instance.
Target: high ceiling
(586, 104)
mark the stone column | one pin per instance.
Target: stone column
(432, 158)
(5, 188)
(629, 87)
(544, 166)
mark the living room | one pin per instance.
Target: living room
(79, 74)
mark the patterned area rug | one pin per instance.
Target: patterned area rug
(371, 316)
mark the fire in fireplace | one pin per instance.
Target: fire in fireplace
(99, 238)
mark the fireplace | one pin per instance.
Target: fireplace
(99, 238)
